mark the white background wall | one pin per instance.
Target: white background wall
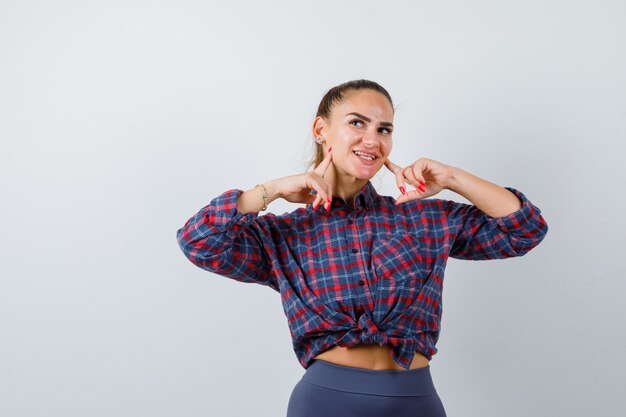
(121, 119)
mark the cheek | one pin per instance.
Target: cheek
(387, 145)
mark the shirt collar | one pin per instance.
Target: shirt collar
(365, 197)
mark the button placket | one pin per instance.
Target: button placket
(355, 251)
(367, 281)
(351, 232)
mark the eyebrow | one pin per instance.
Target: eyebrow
(368, 120)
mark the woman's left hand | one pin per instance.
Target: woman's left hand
(426, 175)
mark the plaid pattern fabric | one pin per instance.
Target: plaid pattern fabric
(369, 275)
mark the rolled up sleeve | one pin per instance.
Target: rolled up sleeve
(220, 239)
(479, 236)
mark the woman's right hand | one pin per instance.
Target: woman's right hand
(297, 188)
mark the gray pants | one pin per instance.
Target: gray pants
(331, 390)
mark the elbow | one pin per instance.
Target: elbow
(186, 244)
(531, 239)
(539, 231)
(189, 246)
(202, 251)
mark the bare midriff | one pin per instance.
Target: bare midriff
(368, 356)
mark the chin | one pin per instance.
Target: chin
(366, 175)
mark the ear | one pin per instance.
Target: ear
(319, 127)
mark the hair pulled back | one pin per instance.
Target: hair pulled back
(335, 96)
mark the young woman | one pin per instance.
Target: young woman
(360, 274)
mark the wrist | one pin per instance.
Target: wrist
(454, 179)
(272, 190)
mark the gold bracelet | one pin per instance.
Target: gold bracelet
(264, 196)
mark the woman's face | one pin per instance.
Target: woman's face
(359, 133)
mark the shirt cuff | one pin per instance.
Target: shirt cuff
(224, 214)
(522, 217)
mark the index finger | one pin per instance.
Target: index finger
(323, 166)
(392, 167)
(397, 171)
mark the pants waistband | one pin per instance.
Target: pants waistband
(409, 382)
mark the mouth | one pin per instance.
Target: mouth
(365, 156)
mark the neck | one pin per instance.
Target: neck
(344, 186)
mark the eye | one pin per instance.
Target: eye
(386, 130)
(356, 121)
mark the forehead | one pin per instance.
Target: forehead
(366, 102)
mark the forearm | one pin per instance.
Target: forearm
(492, 199)
(251, 201)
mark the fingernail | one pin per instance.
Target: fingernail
(423, 183)
(315, 206)
(422, 189)
(328, 199)
(330, 149)
(402, 190)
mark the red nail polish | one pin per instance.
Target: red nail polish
(423, 183)
(328, 199)
(330, 149)
(315, 206)
(422, 189)
(402, 190)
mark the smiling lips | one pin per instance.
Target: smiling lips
(365, 157)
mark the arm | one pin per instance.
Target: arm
(501, 223)
(493, 200)
(229, 238)
(221, 239)
(251, 201)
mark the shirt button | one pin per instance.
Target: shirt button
(354, 250)
(361, 283)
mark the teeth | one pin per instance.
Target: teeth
(367, 156)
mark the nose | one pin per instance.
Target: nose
(370, 139)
